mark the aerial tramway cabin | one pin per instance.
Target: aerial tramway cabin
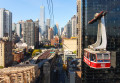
(96, 56)
(97, 59)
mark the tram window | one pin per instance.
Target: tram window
(85, 54)
(106, 56)
(99, 56)
(88, 55)
(93, 57)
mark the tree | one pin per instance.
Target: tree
(36, 51)
(75, 52)
(1, 67)
(60, 44)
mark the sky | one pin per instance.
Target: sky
(30, 9)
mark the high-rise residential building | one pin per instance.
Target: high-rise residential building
(36, 33)
(58, 28)
(6, 58)
(69, 29)
(29, 33)
(64, 33)
(18, 29)
(5, 23)
(50, 34)
(22, 27)
(74, 23)
(42, 20)
(13, 26)
(85, 12)
(47, 27)
(48, 22)
(62, 29)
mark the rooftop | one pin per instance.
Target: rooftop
(94, 52)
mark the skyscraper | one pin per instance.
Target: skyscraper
(29, 33)
(13, 26)
(42, 20)
(5, 23)
(58, 28)
(50, 34)
(18, 29)
(55, 30)
(67, 32)
(62, 29)
(74, 23)
(48, 22)
(47, 27)
(36, 33)
(85, 12)
(21, 22)
(69, 29)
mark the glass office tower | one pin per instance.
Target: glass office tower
(89, 36)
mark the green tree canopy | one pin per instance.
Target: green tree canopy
(36, 51)
(75, 52)
(1, 67)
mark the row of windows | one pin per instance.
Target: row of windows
(98, 57)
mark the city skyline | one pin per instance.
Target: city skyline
(82, 47)
(25, 9)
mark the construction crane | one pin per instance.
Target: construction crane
(96, 56)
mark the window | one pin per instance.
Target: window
(93, 57)
(106, 56)
(99, 56)
(77, 31)
(103, 58)
(85, 54)
(77, 8)
(88, 55)
(77, 19)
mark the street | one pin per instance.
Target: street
(58, 75)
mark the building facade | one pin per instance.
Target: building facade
(50, 34)
(47, 27)
(69, 29)
(29, 33)
(42, 20)
(79, 29)
(36, 33)
(55, 28)
(62, 29)
(5, 23)
(55, 41)
(18, 29)
(18, 56)
(21, 22)
(13, 26)
(74, 23)
(6, 58)
(70, 44)
(86, 10)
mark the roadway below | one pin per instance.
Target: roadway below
(58, 75)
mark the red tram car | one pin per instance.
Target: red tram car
(97, 59)
(96, 56)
